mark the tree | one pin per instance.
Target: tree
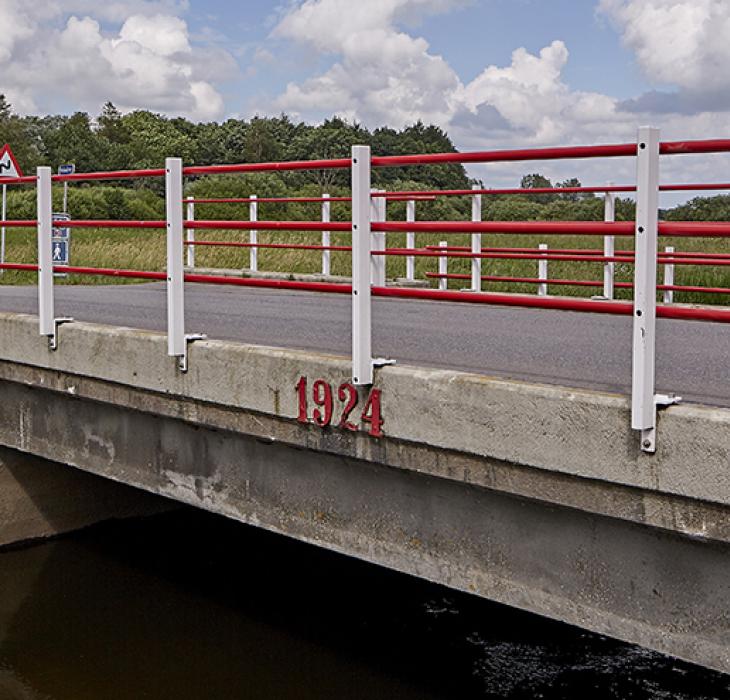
(111, 125)
(6, 109)
(535, 181)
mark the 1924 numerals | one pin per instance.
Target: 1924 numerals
(323, 413)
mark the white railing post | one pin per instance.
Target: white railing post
(476, 242)
(609, 268)
(175, 280)
(253, 236)
(542, 272)
(377, 213)
(326, 257)
(410, 241)
(46, 311)
(668, 296)
(190, 232)
(362, 353)
(643, 400)
(443, 267)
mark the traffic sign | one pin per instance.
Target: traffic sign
(60, 241)
(67, 169)
(59, 252)
(63, 232)
(8, 165)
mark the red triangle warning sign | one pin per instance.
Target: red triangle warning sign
(8, 165)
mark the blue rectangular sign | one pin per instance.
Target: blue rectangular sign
(59, 251)
(66, 169)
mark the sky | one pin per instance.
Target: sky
(492, 73)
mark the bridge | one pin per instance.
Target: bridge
(516, 453)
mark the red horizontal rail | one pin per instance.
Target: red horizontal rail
(620, 228)
(420, 252)
(605, 151)
(331, 164)
(110, 175)
(293, 246)
(247, 200)
(555, 190)
(271, 225)
(579, 283)
(697, 229)
(582, 251)
(701, 146)
(605, 307)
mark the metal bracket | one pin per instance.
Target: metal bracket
(53, 339)
(648, 435)
(382, 361)
(182, 360)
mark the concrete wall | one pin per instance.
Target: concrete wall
(531, 495)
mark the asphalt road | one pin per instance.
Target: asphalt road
(554, 347)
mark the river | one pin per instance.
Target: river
(187, 605)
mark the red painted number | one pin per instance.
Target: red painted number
(348, 395)
(322, 396)
(371, 414)
(302, 396)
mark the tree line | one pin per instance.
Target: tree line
(143, 139)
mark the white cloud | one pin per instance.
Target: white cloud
(677, 42)
(147, 63)
(386, 76)
(383, 73)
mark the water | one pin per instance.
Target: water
(189, 605)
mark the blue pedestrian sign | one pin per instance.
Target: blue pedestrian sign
(59, 252)
(60, 241)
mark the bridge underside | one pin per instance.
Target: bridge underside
(644, 564)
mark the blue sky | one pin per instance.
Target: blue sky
(493, 73)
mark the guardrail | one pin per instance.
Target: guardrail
(368, 227)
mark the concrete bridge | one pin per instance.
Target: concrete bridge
(529, 493)
(517, 454)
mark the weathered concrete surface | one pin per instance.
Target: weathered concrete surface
(531, 495)
(39, 498)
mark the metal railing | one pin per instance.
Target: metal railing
(369, 226)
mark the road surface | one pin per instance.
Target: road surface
(555, 347)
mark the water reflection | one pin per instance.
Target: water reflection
(188, 605)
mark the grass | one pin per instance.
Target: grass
(145, 250)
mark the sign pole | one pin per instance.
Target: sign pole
(2, 231)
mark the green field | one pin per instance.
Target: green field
(145, 250)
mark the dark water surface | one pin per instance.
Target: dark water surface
(189, 605)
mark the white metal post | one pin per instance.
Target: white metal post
(362, 354)
(253, 236)
(175, 280)
(410, 241)
(668, 296)
(542, 272)
(377, 265)
(443, 267)
(190, 232)
(326, 254)
(65, 197)
(476, 242)
(46, 311)
(2, 230)
(643, 401)
(609, 268)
